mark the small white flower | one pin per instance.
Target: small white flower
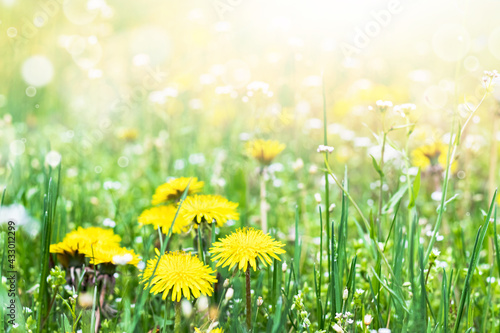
(368, 319)
(109, 223)
(260, 301)
(284, 267)
(338, 329)
(298, 164)
(122, 260)
(325, 149)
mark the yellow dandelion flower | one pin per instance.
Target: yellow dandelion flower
(181, 273)
(163, 216)
(243, 247)
(215, 330)
(83, 238)
(77, 242)
(206, 208)
(264, 151)
(173, 189)
(102, 253)
(431, 155)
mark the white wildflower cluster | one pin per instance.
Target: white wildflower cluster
(383, 106)
(325, 149)
(109, 223)
(489, 79)
(258, 86)
(491, 74)
(404, 109)
(343, 320)
(110, 185)
(298, 303)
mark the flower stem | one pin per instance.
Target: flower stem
(381, 190)
(177, 325)
(263, 202)
(249, 299)
(493, 156)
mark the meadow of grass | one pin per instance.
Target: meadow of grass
(373, 174)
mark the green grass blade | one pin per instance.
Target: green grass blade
(481, 233)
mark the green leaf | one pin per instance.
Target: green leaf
(377, 167)
(414, 190)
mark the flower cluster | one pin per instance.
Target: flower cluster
(193, 211)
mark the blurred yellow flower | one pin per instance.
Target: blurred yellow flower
(128, 134)
(431, 155)
(264, 151)
(163, 216)
(207, 208)
(243, 247)
(102, 253)
(181, 273)
(173, 189)
(77, 242)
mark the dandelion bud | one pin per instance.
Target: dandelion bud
(368, 319)
(346, 294)
(85, 300)
(317, 197)
(187, 308)
(260, 301)
(202, 303)
(434, 255)
(229, 294)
